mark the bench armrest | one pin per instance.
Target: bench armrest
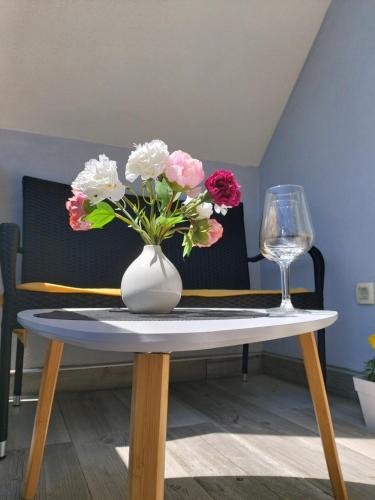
(319, 267)
(9, 248)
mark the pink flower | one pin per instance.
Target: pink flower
(193, 193)
(223, 188)
(76, 209)
(184, 170)
(215, 232)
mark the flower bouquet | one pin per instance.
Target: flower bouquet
(171, 200)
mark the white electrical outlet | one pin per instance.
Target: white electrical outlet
(365, 293)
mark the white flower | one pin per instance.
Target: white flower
(99, 180)
(221, 209)
(147, 160)
(204, 210)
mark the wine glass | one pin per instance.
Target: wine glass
(285, 234)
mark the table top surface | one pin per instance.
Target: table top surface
(185, 330)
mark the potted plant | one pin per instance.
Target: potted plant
(175, 198)
(365, 387)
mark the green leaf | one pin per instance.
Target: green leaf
(370, 370)
(88, 207)
(169, 221)
(159, 221)
(163, 192)
(187, 245)
(168, 235)
(101, 215)
(197, 234)
(200, 231)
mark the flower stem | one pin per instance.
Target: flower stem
(126, 199)
(128, 219)
(152, 198)
(169, 206)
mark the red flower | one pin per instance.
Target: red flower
(223, 188)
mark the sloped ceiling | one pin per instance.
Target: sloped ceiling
(211, 77)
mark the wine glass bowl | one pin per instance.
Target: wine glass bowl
(286, 233)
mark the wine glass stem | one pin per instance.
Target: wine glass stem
(285, 286)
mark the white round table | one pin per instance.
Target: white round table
(152, 338)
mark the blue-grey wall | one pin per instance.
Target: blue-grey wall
(60, 160)
(325, 141)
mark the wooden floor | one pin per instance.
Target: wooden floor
(226, 441)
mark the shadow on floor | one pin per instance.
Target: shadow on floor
(260, 488)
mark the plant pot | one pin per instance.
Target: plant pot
(366, 394)
(151, 284)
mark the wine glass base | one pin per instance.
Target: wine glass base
(280, 311)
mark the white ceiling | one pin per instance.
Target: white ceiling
(211, 77)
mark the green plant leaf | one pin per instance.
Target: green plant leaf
(169, 221)
(200, 231)
(101, 215)
(168, 235)
(187, 244)
(370, 370)
(163, 192)
(88, 208)
(198, 234)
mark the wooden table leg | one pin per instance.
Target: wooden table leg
(42, 417)
(322, 412)
(148, 426)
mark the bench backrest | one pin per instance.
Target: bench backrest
(53, 252)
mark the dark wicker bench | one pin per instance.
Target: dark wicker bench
(53, 253)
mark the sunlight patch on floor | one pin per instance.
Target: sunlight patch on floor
(123, 453)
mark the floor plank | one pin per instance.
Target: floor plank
(63, 476)
(11, 474)
(98, 424)
(22, 422)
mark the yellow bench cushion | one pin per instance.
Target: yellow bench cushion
(115, 292)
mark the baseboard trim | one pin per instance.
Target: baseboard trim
(339, 380)
(110, 376)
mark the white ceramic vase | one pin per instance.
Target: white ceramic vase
(151, 284)
(366, 394)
